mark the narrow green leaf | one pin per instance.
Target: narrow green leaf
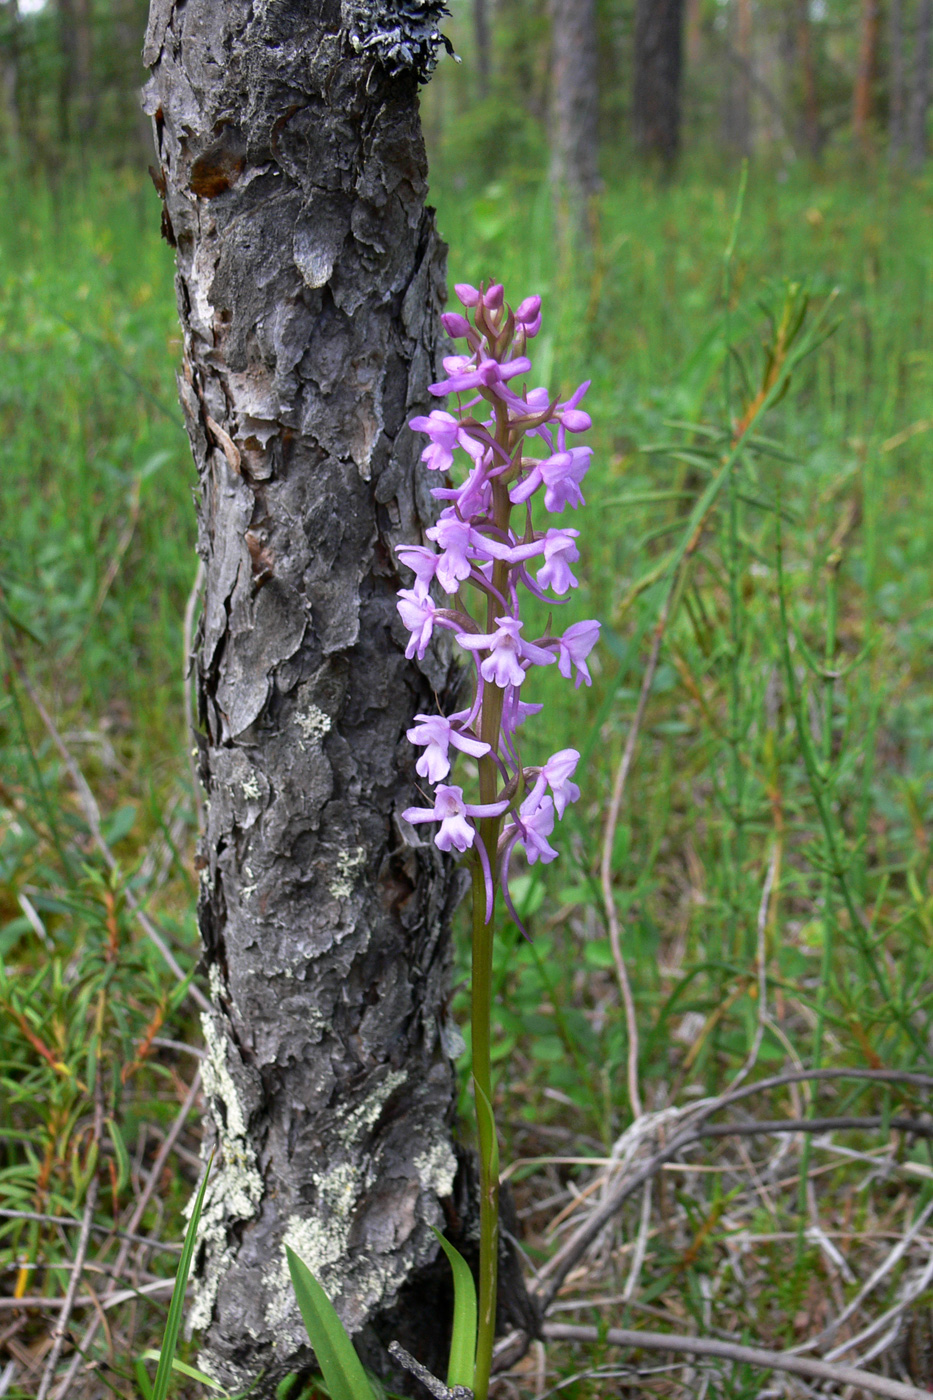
(142, 1379)
(120, 1152)
(336, 1356)
(184, 1369)
(173, 1321)
(463, 1337)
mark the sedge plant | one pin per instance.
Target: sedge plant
(489, 553)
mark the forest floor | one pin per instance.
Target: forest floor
(758, 875)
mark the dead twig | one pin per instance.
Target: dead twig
(758, 1357)
(95, 1229)
(111, 1298)
(74, 1283)
(695, 1127)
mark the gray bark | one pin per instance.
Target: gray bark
(309, 281)
(919, 109)
(656, 105)
(897, 88)
(574, 112)
(483, 46)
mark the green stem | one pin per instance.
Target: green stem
(481, 1001)
(488, 1155)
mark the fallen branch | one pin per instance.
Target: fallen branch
(74, 1283)
(759, 1357)
(695, 1120)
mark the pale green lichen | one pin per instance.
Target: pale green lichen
(348, 862)
(314, 724)
(356, 1121)
(246, 891)
(437, 1168)
(250, 788)
(234, 1190)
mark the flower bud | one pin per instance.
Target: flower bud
(467, 294)
(575, 420)
(455, 325)
(528, 310)
(492, 297)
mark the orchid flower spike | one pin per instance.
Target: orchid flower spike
(511, 444)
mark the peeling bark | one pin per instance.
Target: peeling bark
(309, 281)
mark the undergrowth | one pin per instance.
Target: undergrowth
(769, 867)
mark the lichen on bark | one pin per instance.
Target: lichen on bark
(309, 281)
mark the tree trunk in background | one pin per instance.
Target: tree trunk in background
(574, 113)
(694, 33)
(76, 96)
(919, 109)
(483, 48)
(743, 96)
(658, 66)
(9, 77)
(309, 281)
(864, 92)
(897, 85)
(810, 129)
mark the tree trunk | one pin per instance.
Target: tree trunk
(9, 78)
(810, 127)
(897, 86)
(920, 88)
(574, 113)
(76, 97)
(694, 34)
(309, 281)
(656, 111)
(743, 97)
(864, 92)
(483, 47)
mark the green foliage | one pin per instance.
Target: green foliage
(342, 1369)
(789, 719)
(176, 1308)
(463, 1336)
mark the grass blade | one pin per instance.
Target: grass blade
(463, 1336)
(173, 1322)
(341, 1367)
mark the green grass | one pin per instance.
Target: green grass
(763, 712)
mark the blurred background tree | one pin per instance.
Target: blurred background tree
(573, 87)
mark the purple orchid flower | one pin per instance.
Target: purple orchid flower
(559, 553)
(556, 775)
(575, 646)
(446, 433)
(507, 650)
(437, 734)
(475, 550)
(456, 831)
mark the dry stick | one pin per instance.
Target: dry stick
(111, 1298)
(560, 1264)
(605, 870)
(761, 959)
(188, 643)
(74, 1283)
(92, 817)
(731, 1351)
(96, 1229)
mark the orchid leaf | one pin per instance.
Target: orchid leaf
(173, 1322)
(341, 1367)
(463, 1337)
